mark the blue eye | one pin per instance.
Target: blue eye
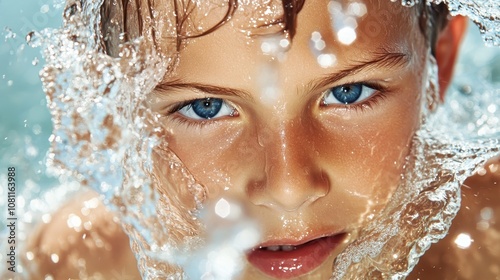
(207, 108)
(347, 94)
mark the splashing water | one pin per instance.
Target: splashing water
(101, 124)
(423, 207)
(485, 14)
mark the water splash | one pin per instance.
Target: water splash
(102, 124)
(485, 14)
(423, 207)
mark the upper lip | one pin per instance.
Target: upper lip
(296, 242)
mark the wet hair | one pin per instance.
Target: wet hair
(118, 23)
(433, 19)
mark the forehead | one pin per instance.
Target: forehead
(348, 30)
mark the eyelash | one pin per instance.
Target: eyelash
(189, 123)
(369, 103)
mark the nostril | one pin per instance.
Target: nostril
(288, 192)
(255, 190)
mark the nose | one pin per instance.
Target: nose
(291, 176)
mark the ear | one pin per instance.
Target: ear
(446, 51)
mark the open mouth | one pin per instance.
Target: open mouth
(287, 261)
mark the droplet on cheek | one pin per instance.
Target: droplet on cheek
(54, 258)
(463, 241)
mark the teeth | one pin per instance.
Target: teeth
(273, 248)
(285, 248)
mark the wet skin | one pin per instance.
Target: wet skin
(303, 169)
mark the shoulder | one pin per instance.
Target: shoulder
(82, 240)
(471, 248)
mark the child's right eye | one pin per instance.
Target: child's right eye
(206, 109)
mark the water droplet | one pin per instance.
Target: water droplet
(492, 108)
(33, 39)
(44, 9)
(326, 60)
(71, 10)
(54, 258)
(346, 35)
(487, 213)
(10, 83)
(35, 61)
(46, 218)
(463, 241)
(30, 256)
(29, 36)
(409, 3)
(37, 129)
(9, 34)
(74, 221)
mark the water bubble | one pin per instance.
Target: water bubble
(326, 60)
(35, 61)
(486, 213)
(29, 36)
(346, 35)
(409, 3)
(9, 34)
(30, 256)
(31, 151)
(71, 9)
(36, 129)
(222, 208)
(87, 225)
(356, 9)
(317, 41)
(466, 89)
(10, 83)
(463, 241)
(44, 9)
(73, 221)
(344, 21)
(318, 45)
(46, 218)
(275, 46)
(492, 108)
(33, 39)
(54, 258)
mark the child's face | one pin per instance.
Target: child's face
(306, 166)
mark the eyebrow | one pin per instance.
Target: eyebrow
(381, 59)
(165, 88)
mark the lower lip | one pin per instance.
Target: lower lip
(288, 264)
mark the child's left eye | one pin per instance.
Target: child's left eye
(347, 94)
(206, 108)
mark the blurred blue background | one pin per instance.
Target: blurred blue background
(25, 124)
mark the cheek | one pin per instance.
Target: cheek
(364, 153)
(219, 156)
